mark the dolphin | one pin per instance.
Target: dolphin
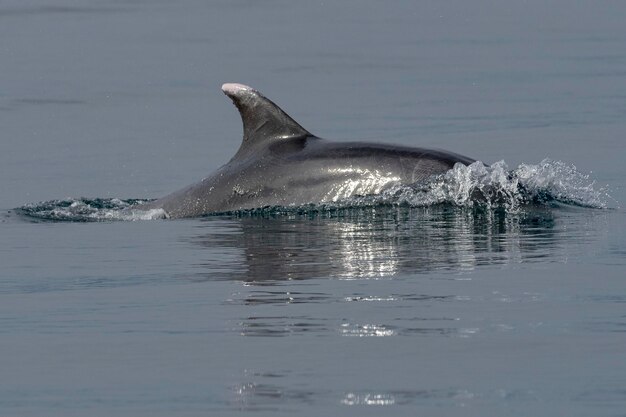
(279, 163)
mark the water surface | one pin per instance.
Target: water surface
(402, 306)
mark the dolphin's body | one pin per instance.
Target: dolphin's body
(279, 163)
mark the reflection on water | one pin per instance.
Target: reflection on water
(367, 330)
(269, 252)
(382, 242)
(404, 397)
(268, 396)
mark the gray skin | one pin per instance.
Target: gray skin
(279, 163)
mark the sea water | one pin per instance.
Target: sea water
(493, 289)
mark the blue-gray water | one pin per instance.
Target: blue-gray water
(383, 310)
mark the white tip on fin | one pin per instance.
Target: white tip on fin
(234, 88)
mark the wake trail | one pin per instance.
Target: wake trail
(549, 183)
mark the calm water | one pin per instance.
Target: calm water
(433, 310)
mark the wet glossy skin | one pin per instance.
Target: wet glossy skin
(320, 172)
(281, 164)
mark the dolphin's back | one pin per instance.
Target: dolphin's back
(407, 163)
(279, 163)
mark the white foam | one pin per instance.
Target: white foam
(495, 186)
(153, 214)
(563, 182)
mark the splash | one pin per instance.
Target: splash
(560, 182)
(90, 210)
(549, 183)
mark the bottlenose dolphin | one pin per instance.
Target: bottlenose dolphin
(279, 163)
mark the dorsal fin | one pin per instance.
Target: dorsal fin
(262, 119)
